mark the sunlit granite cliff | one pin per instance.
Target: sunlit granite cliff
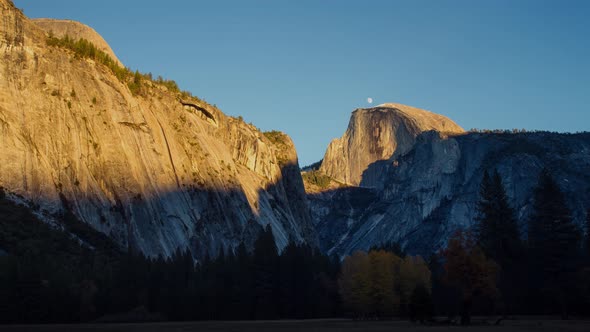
(157, 171)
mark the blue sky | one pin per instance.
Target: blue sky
(303, 66)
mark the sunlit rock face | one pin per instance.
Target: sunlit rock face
(154, 175)
(431, 189)
(380, 133)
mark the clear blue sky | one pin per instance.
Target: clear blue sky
(303, 66)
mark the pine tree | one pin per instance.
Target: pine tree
(498, 231)
(265, 266)
(553, 239)
(588, 236)
(486, 211)
(552, 235)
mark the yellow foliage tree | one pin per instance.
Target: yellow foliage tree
(413, 272)
(383, 279)
(354, 283)
(368, 283)
(469, 270)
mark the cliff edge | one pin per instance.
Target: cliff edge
(379, 134)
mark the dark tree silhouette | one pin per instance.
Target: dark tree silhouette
(498, 231)
(499, 238)
(469, 270)
(553, 242)
(421, 307)
(588, 237)
(48, 276)
(265, 271)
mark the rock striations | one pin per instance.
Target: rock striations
(419, 188)
(153, 174)
(157, 170)
(374, 134)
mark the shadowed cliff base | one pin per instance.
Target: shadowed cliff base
(68, 272)
(204, 220)
(426, 194)
(116, 148)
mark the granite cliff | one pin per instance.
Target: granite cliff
(374, 134)
(418, 190)
(156, 170)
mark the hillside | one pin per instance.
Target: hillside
(137, 159)
(429, 186)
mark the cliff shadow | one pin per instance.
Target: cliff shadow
(204, 220)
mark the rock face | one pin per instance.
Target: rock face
(431, 190)
(152, 174)
(61, 28)
(380, 133)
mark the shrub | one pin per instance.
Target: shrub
(317, 178)
(275, 136)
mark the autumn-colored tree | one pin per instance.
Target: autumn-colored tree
(468, 269)
(413, 273)
(354, 283)
(383, 279)
(381, 284)
(368, 283)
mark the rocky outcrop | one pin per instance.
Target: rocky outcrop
(418, 176)
(76, 30)
(378, 134)
(153, 174)
(432, 190)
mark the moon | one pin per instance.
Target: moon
(370, 100)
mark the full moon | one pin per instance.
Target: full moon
(370, 100)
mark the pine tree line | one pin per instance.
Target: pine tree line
(546, 273)
(46, 276)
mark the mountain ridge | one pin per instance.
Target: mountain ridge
(378, 134)
(153, 174)
(421, 196)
